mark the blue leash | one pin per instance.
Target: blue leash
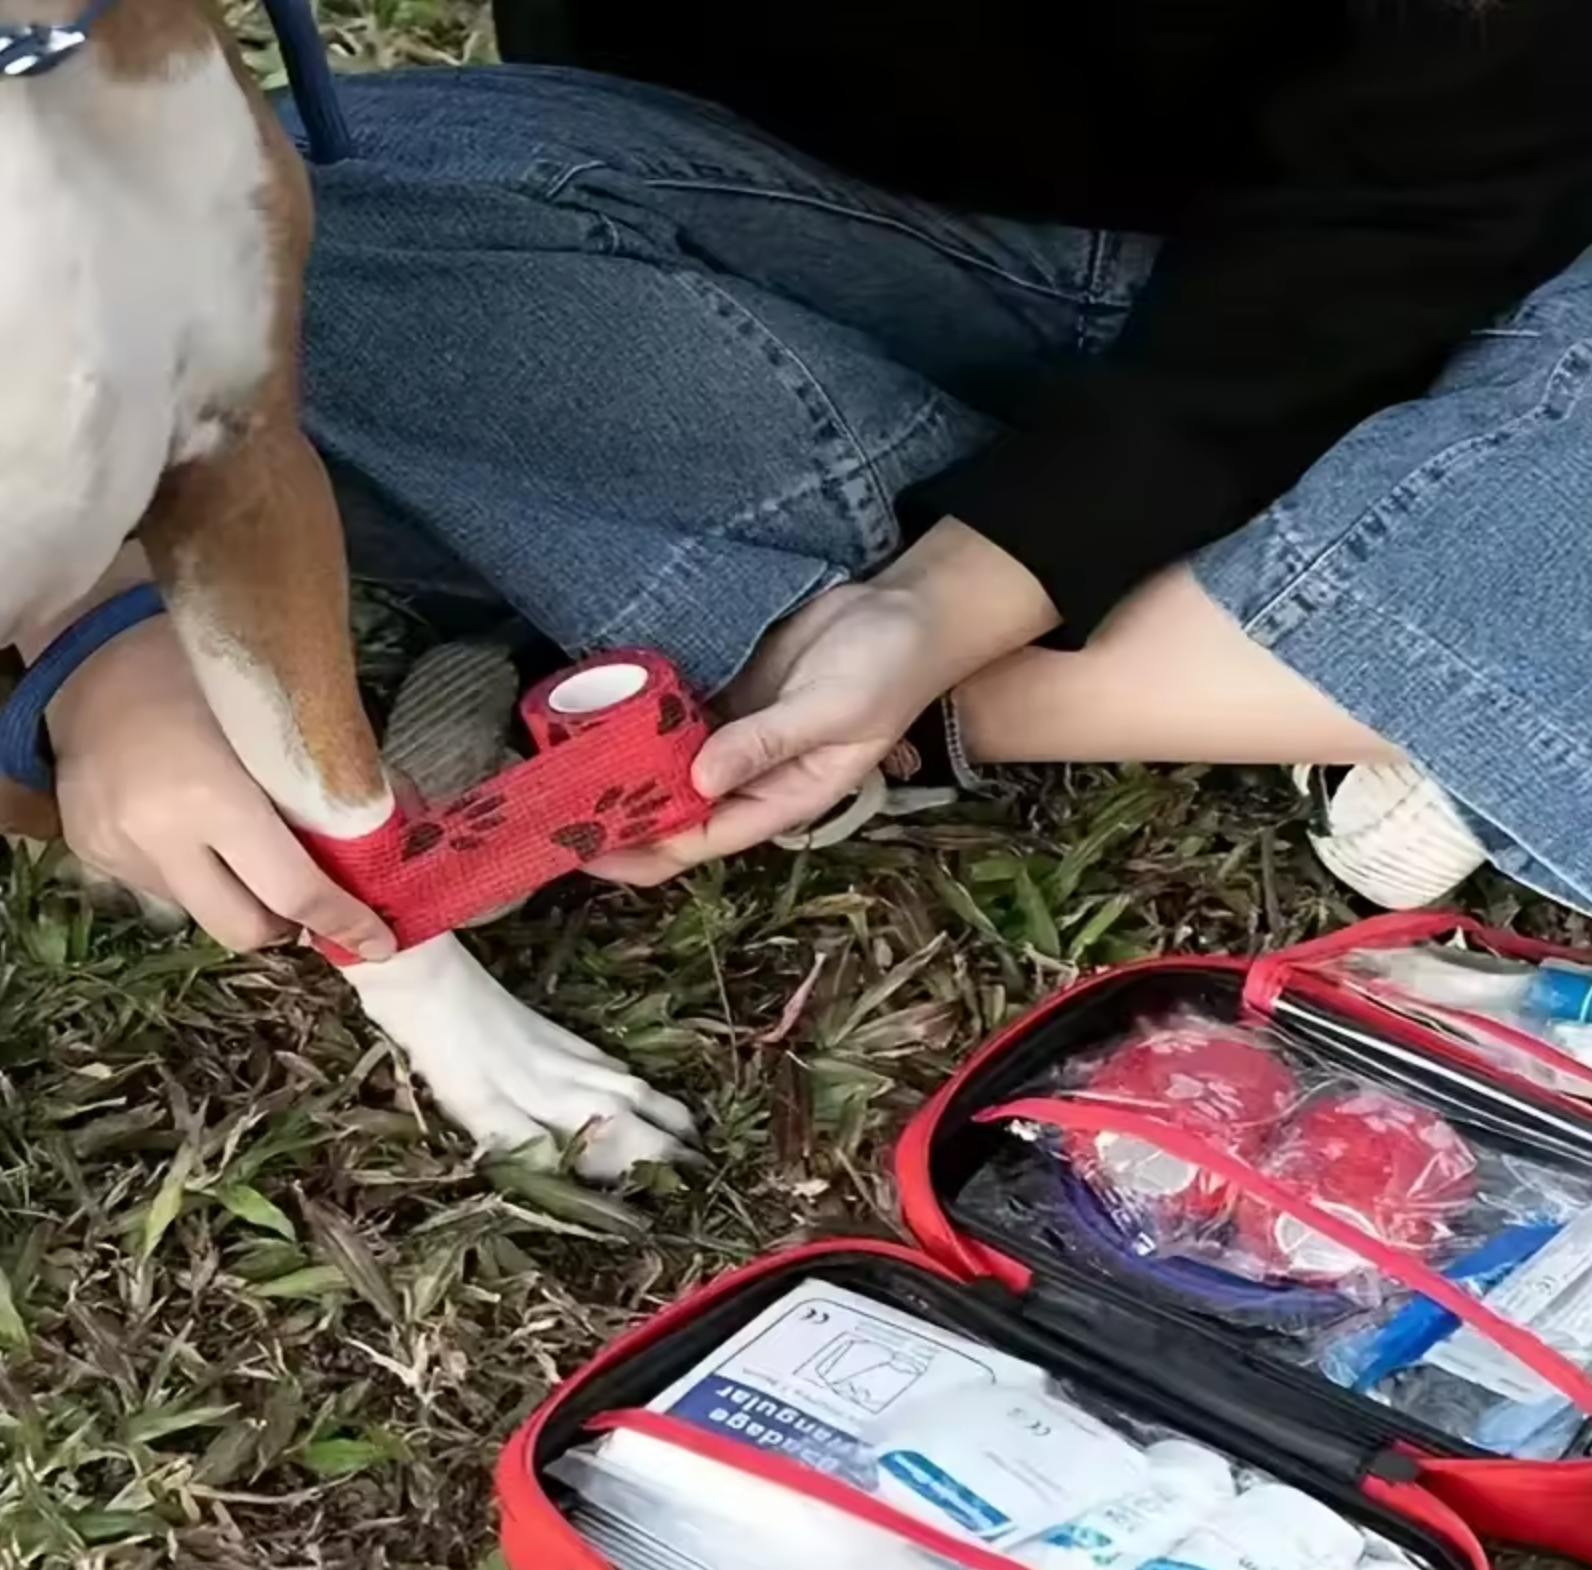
(309, 75)
(33, 48)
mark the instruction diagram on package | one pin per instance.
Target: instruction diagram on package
(866, 1374)
(826, 1355)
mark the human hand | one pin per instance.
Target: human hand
(151, 793)
(834, 687)
(827, 695)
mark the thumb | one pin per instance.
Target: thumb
(746, 749)
(280, 873)
(331, 913)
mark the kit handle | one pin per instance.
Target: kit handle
(1421, 1504)
(1269, 974)
(1536, 1504)
(780, 1471)
(1397, 1264)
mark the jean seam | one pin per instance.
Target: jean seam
(900, 226)
(847, 437)
(692, 546)
(1428, 479)
(556, 187)
(1501, 695)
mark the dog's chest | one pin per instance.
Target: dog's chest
(136, 306)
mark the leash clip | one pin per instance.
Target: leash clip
(37, 48)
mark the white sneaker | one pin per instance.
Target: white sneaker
(1390, 834)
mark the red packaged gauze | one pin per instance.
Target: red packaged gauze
(1214, 1082)
(1395, 1170)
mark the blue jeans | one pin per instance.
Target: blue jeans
(616, 358)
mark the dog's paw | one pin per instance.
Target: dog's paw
(508, 1075)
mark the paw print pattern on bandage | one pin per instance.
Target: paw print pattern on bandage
(467, 825)
(598, 781)
(637, 812)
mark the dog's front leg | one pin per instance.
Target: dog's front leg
(248, 549)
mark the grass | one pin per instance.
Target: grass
(258, 1308)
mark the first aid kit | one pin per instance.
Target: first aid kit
(1219, 1264)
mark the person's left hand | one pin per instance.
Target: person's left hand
(826, 696)
(831, 690)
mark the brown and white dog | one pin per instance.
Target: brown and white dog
(157, 221)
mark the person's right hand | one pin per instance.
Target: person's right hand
(151, 793)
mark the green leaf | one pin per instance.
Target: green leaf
(116, 1526)
(338, 1238)
(343, 1457)
(50, 937)
(159, 1422)
(435, 1277)
(1039, 926)
(249, 1204)
(13, 1330)
(228, 1455)
(312, 1281)
(167, 1203)
(1106, 917)
(962, 903)
(564, 1200)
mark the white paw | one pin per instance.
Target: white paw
(506, 1074)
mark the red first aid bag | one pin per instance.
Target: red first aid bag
(1318, 1211)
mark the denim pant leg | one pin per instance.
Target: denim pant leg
(648, 374)
(1433, 575)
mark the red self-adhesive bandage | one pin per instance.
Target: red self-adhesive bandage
(615, 740)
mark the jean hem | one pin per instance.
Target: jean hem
(713, 650)
(1443, 713)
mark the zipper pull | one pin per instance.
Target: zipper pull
(1392, 1466)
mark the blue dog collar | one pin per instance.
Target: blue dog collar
(25, 754)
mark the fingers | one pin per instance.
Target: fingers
(207, 889)
(751, 748)
(788, 796)
(249, 882)
(267, 860)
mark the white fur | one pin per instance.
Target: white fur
(135, 301)
(506, 1073)
(255, 713)
(134, 304)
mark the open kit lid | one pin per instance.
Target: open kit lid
(1323, 1220)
